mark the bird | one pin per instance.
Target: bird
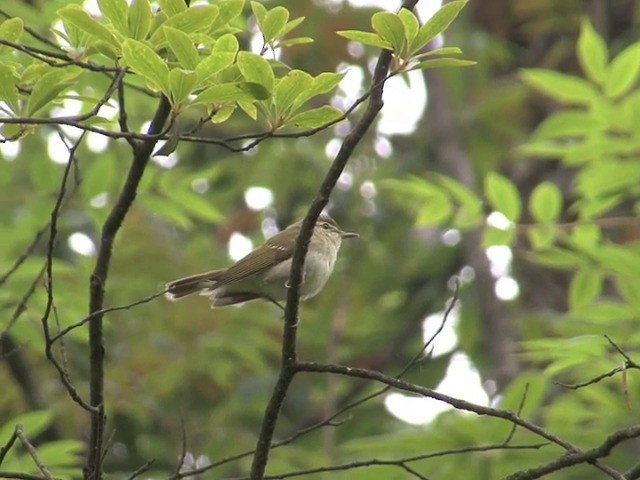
(264, 272)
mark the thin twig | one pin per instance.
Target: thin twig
(32, 452)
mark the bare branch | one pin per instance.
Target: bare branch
(98, 281)
(32, 452)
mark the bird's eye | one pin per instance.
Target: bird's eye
(325, 225)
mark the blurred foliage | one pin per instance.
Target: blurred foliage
(549, 121)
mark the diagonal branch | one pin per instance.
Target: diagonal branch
(141, 155)
(289, 360)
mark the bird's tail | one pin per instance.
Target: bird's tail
(192, 284)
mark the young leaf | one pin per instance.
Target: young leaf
(410, 23)
(562, 88)
(541, 236)
(256, 69)
(366, 38)
(503, 195)
(182, 83)
(290, 42)
(592, 52)
(436, 24)
(623, 72)
(585, 287)
(323, 83)
(443, 63)
(10, 30)
(213, 64)
(390, 28)
(273, 24)
(139, 19)
(290, 87)
(259, 11)
(172, 7)
(195, 19)
(291, 25)
(79, 18)
(232, 92)
(49, 86)
(147, 63)
(182, 47)
(316, 117)
(545, 204)
(116, 12)
(8, 89)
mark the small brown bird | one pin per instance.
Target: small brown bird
(264, 272)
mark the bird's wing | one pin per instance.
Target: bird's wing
(255, 262)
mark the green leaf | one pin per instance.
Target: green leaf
(569, 123)
(182, 83)
(366, 38)
(193, 20)
(172, 7)
(443, 63)
(147, 63)
(503, 196)
(294, 41)
(195, 205)
(79, 18)
(10, 30)
(410, 24)
(545, 203)
(493, 236)
(541, 236)
(166, 209)
(592, 52)
(437, 24)
(229, 11)
(558, 258)
(390, 29)
(273, 24)
(623, 72)
(629, 289)
(469, 212)
(116, 12)
(606, 312)
(34, 423)
(256, 69)
(223, 113)
(99, 176)
(437, 211)
(49, 86)
(139, 19)
(222, 56)
(259, 11)
(590, 208)
(323, 83)
(586, 236)
(232, 92)
(8, 89)
(316, 117)
(290, 87)
(291, 25)
(585, 287)
(562, 88)
(439, 52)
(182, 47)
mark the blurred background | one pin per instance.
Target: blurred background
(174, 367)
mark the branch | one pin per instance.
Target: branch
(32, 452)
(575, 458)
(112, 225)
(402, 461)
(289, 360)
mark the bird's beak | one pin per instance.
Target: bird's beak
(348, 235)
